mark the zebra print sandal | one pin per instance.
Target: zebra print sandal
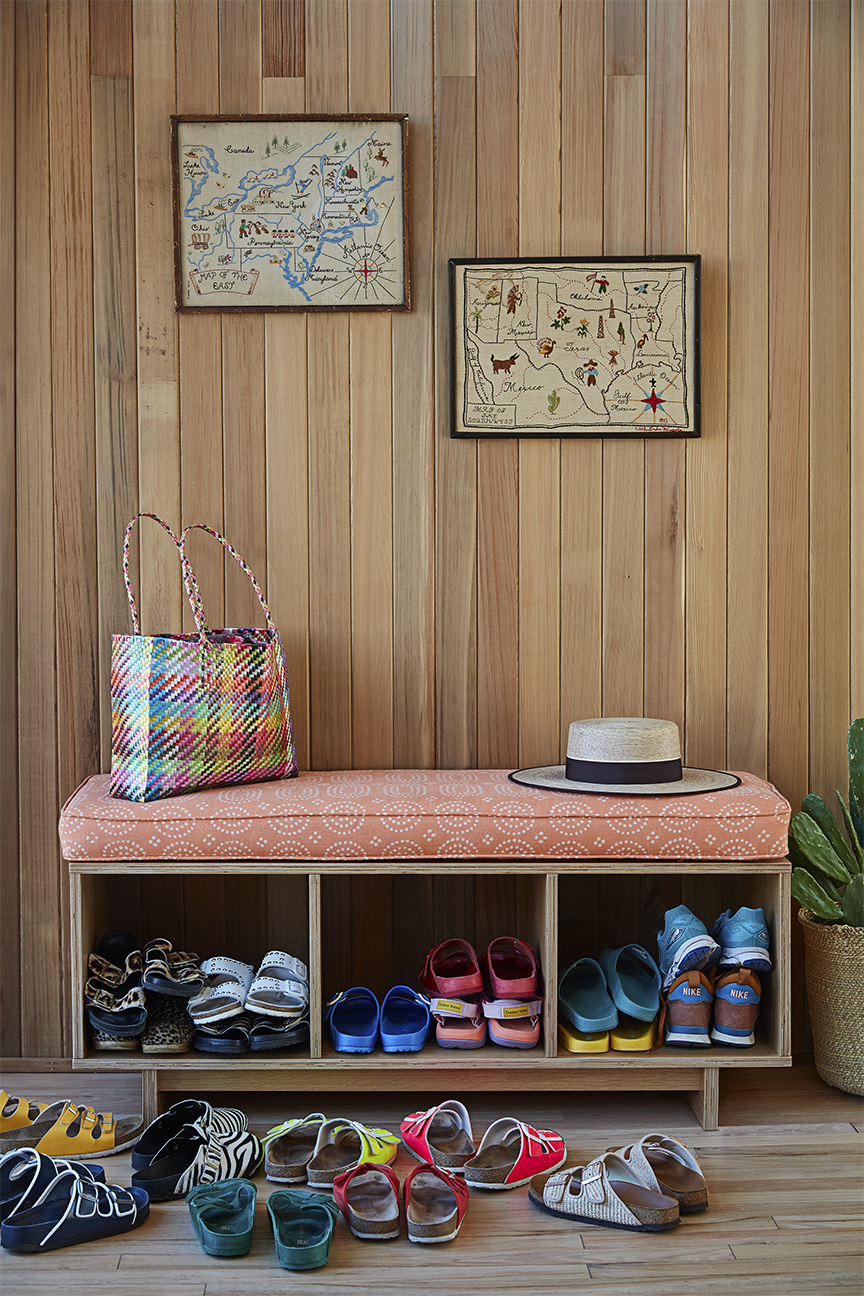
(195, 1156)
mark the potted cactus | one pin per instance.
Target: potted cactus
(828, 881)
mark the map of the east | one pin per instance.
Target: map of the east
(291, 213)
(547, 347)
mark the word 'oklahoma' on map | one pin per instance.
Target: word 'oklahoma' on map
(290, 213)
(576, 347)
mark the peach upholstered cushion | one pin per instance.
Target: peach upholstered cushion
(429, 814)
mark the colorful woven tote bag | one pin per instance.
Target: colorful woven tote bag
(195, 711)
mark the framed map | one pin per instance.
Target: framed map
(593, 346)
(290, 213)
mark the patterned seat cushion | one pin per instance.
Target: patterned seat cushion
(422, 814)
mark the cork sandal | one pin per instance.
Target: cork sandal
(669, 1167)
(343, 1144)
(368, 1197)
(441, 1135)
(17, 1113)
(435, 1204)
(511, 1153)
(288, 1148)
(66, 1130)
(609, 1192)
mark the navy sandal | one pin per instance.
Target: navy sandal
(74, 1209)
(352, 1017)
(26, 1173)
(405, 1020)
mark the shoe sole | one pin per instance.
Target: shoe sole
(734, 1041)
(746, 956)
(587, 1219)
(412, 1237)
(51, 1245)
(418, 1156)
(687, 1041)
(694, 954)
(517, 1183)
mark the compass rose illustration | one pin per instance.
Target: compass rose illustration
(365, 269)
(653, 400)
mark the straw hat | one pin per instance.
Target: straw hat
(632, 756)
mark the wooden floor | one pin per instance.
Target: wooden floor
(784, 1171)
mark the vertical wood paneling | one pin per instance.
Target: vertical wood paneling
(665, 232)
(283, 31)
(456, 461)
(624, 462)
(582, 149)
(110, 37)
(830, 304)
(158, 423)
(497, 461)
(788, 399)
(707, 220)
(200, 339)
(116, 354)
(10, 1022)
(539, 460)
(414, 407)
(747, 668)
(857, 384)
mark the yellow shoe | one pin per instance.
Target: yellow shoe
(632, 1035)
(343, 1144)
(576, 1041)
(16, 1113)
(66, 1130)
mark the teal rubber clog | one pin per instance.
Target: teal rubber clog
(303, 1225)
(223, 1214)
(633, 979)
(583, 997)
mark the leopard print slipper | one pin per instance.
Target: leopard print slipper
(169, 1027)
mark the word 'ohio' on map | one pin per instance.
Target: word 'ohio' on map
(576, 347)
(291, 213)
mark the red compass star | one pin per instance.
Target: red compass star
(653, 400)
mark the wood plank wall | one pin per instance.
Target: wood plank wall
(442, 602)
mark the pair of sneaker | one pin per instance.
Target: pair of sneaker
(699, 1010)
(738, 940)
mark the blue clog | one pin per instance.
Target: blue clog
(405, 1020)
(352, 1018)
(633, 979)
(583, 997)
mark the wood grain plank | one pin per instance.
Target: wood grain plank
(455, 38)
(539, 460)
(154, 92)
(327, 57)
(240, 56)
(707, 229)
(497, 461)
(371, 447)
(624, 462)
(110, 37)
(72, 382)
(665, 232)
(747, 549)
(114, 323)
(10, 918)
(581, 458)
(200, 339)
(830, 375)
(788, 401)
(456, 461)
(857, 438)
(413, 407)
(283, 36)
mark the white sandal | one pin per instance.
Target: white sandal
(281, 986)
(224, 992)
(609, 1192)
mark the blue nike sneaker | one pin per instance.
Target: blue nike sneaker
(743, 940)
(684, 945)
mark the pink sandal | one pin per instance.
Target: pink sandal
(511, 1153)
(513, 1012)
(452, 971)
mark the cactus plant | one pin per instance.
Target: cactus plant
(828, 871)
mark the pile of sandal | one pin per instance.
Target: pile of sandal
(138, 998)
(509, 1154)
(499, 1000)
(239, 1009)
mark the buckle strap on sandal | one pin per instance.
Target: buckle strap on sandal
(507, 1009)
(278, 958)
(101, 998)
(104, 970)
(455, 1008)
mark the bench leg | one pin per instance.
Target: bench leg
(706, 1101)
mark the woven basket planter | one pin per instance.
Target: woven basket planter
(834, 972)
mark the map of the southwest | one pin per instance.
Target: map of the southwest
(291, 213)
(545, 347)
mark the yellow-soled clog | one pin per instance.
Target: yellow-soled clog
(576, 1041)
(632, 1035)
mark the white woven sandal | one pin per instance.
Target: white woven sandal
(607, 1192)
(281, 986)
(223, 993)
(669, 1167)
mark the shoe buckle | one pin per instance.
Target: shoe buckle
(592, 1182)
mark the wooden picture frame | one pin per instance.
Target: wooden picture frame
(575, 346)
(290, 212)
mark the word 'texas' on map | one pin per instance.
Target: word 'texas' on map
(607, 346)
(290, 213)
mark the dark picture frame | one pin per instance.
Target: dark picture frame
(290, 212)
(575, 346)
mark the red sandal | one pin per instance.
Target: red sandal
(441, 1135)
(453, 973)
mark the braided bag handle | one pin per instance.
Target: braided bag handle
(189, 580)
(200, 526)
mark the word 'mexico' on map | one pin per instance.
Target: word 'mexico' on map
(290, 213)
(607, 346)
